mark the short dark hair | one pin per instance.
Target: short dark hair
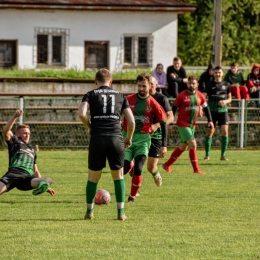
(159, 64)
(193, 77)
(144, 77)
(218, 68)
(21, 126)
(177, 59)
(103, 75)
(234, 64)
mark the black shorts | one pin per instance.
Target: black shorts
(106, 147)
(220, 117)
(17, 178)
(155, 147)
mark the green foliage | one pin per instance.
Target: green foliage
(240, 30)
(69, 73)
(214, 216)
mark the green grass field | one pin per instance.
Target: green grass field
(214, 216)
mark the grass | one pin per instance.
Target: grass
(214, 216)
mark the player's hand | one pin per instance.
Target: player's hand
(163, 152)
(127, 143)
(18, 113)
(154, 128)
(170, 129)
(221, 103)
(210, 125)
(51, 191)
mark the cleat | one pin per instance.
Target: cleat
(131, 199)
(42, 187)
(206, 158)
(122, 217)
(89, 215)
(158, 179)
(198, 171)
(167, 168)
(223, 158)
(131, 169)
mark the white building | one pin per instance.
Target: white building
(89, 33)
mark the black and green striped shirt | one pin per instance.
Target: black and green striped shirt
(217, 91)
(21, 155)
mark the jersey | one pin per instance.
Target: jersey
(144, 110)
(164, 102)
(189, 107)
(21, 155)
(217, 91)
(106, 106)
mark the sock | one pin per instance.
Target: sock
(120, 195)
(155, 172)
(194, 159)
(91, 189)
(174, 156)
(208, 142)
(224, 144)
(136, 183)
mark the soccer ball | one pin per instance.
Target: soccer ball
(102, 197)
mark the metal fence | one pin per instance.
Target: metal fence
(54, 123)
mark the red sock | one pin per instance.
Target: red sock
(194, 159)
(174, 156)
(136, 183)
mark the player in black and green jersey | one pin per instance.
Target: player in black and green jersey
(219, 95)
(22, 173)
(156, 150)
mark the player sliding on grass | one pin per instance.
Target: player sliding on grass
(22, 173)
(188, 102)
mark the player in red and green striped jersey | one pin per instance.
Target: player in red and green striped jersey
(144, 108)
(189, 102)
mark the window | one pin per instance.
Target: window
(51, 47)
(96, 54)
(137, 50)
(7, 53)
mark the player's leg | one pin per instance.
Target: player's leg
(193, 154)
(40, 185)
(115, 158)
(209, 134)
(96, 162)
(153, 158)
(223, 123)
(137, 177)
(179, 150)
(3, 188)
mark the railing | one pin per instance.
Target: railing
(54, 122)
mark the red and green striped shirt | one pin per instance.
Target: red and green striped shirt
(144, 110)
(189, 107)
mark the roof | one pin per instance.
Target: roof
(105, 5)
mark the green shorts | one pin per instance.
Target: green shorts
(186, 133)
(140, 146)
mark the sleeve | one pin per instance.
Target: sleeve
(169, 79)
(86, 97)
(166, 104)
(125, 103)
(159, 112)
(228, 88)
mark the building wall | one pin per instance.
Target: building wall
(91, 26)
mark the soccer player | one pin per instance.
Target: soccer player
(23, 172)
(219, 95)
(156, 150)
(106, 142)
(144, 108)
(188, 102)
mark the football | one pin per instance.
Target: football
(102, 197)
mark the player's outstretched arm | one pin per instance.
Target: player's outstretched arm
(9, 125)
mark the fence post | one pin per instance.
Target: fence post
(21, 107)
(242, 123)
